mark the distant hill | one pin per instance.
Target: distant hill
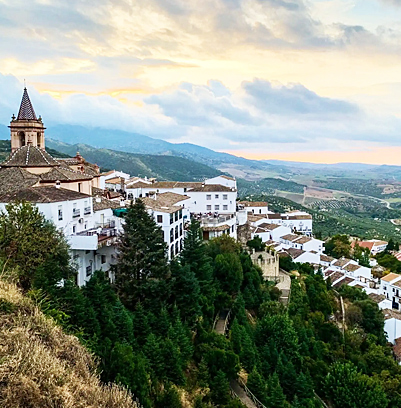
(163, 167)
(137, 143)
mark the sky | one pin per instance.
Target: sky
(305, 80)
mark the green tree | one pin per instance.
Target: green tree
(141, 270)
(220, 389)
(170, 398)
(348, 388)
(28, 241)
(228, 271)
(275, 395)
(338, 246)
(185, 292)
(258, 386)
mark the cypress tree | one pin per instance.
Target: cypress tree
(141, 270)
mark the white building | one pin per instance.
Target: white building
(302, 242)
(390, 287)
(170, 213)
(254, 207)
(269, 232)
(113, 180)
(90, 230)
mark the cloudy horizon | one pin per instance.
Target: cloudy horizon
(266, 79)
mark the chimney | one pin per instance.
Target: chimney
(58, 184)
(98, 199)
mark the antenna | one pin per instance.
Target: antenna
(24, 83)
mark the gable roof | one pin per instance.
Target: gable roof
(26, 111)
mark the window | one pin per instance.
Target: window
(79, 187)
(232, 228)
(225, 196)
(176, 216)
(176, 248)
(225, 207)
(172, 252)
(176, 232)
(172, 235)
(89, 269)
(209, 208)
(260, 211)
(216, 196)
(208, 196)
(216, 207)
(180, 229)
(171, 218)
(103, 259)
(74, 228)
(159, 219)
(60, 212)
(180, 214)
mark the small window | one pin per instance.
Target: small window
(159, 219)
(225, 207)
(208, 196)
(60, 212)
(216, 196)
(209, 208)
(74, 228)
(225, 196)
(171, 218)
(216, 207)
(103, 259)
(176, 216)
(79, 187)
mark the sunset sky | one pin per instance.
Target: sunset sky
(316, 80)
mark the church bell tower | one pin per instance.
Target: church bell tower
(26, 128)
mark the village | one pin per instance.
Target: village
(87, 206)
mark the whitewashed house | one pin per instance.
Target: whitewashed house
(171, 214)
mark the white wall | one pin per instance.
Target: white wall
(392, 328)
(222, 181)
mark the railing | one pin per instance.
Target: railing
(250, 394)
(76, 212)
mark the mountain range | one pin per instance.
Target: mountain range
(60, 137)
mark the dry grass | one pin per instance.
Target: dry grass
(40, 366)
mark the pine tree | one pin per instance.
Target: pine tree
(186, 292)
(141, 270)
(153, 352)
(248, 355)
(257, 385)
(170, 398)
(220, 389)
(172, 363)
(275, 395)
(194, 254)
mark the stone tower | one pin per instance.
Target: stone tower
(26, 128)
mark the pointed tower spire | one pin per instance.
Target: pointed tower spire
(26, 111)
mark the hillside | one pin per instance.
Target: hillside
(163, 167)
(41, 366)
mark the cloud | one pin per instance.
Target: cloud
(295, 99)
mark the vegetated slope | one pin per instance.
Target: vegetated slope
(338, 221)
(40, 366)
(163, 167)
(268, 186)
(136, 143)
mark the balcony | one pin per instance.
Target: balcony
(93, 239)
(76, 213)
